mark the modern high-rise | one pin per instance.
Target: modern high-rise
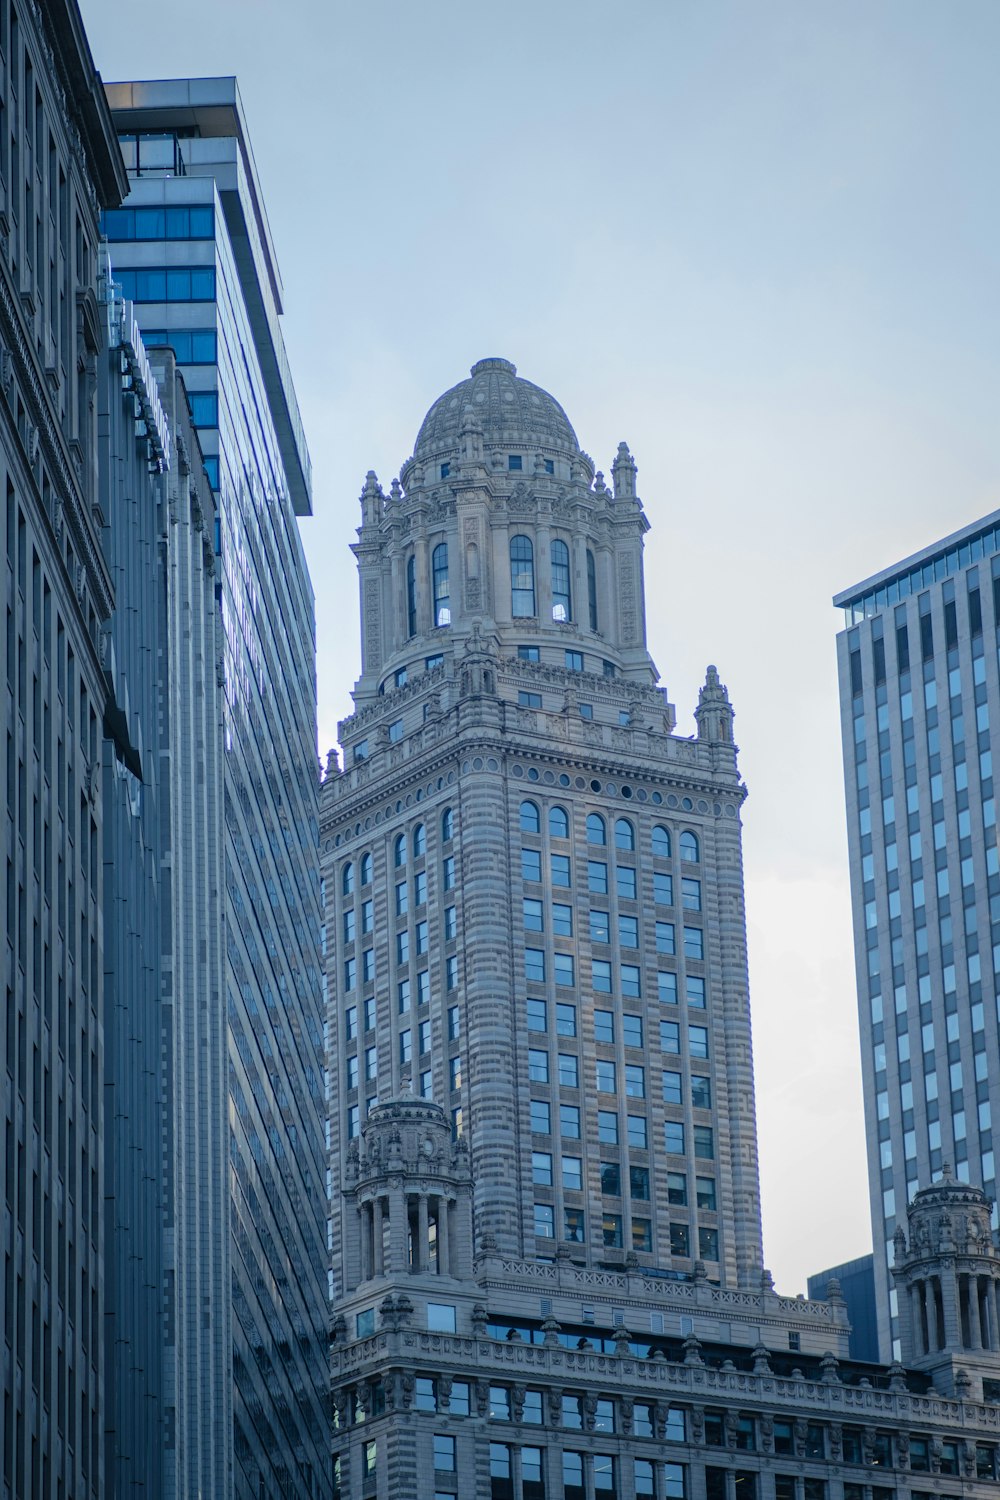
(535, 938)
(246, 1310)
(920, 710)
(59, 163)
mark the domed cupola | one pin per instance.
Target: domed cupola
(513, 414)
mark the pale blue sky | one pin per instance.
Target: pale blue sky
(757, 241)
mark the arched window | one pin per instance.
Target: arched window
(419, 841)
(411, 595)
(689, 845)
(661, 842)
(442, 594)
(347, 879)
(366, 869)
(592, 589)
(399, 852)
(447, 825)
(596, 831)
(558, 823)
(624, 834)
(561, 600)
(522, 578)
(530, 821)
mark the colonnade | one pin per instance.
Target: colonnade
(406, 1230)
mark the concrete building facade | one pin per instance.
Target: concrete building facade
(245, 1274)
(59, 163)
(920, 702)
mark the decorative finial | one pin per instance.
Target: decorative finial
(623, 471)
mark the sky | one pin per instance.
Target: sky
(759, 242)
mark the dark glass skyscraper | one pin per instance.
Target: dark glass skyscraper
(920, 708)
(246, 1275)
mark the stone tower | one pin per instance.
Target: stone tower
(534, 893)
(948, 1283)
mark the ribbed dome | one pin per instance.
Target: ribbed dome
(513, 413)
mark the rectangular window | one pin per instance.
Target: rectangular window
(691, 894)
(453, 1023)
(569, 1122)
(672, 1087)
(612, 1231)
(638, 1179)
(705, 1191)
(538, 1065)
(701, 1092)
(635, 1081)
(455, 1073)
(448, 872)
(531, 864)
(604, 1027)
(403, 991)
(670, 1036)
(694, 942)
(440, 1317)
(597, 877)
(694, 988)
(631, 985)
(420, 888)
(673, 1137)
(642, 1235)
(534, 965)
(708, 1243)
(450, 923)
(628, 931)
(611, 1179)
(545, 1221)
(607, 1127)
(606, 1082)
(632, 1031)
(368, 966)
(601, 976)
(677, 1189)
(402, 899)
(574, 661)
(559, 864)
(533, 915)
(563, 963)
(167, 283)
(569, 1076)
(528, 653)
(600, 927)
(424, 1034)
(444, 1453)
(663, 889)
(625, 882)
(573, 1226)
(541, 1119)
(704, 1142)
(451, 972)
(667, 987)
(541, 1168)
(680, 1240)
(638, 1137)
(562, 919)
(565, 1019)
(572, 1173)
(665, 938)
(529, 700)
(698, 1041)
(402, 947)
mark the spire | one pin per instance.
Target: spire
(372, 500)
(714, 714)
(623, 471)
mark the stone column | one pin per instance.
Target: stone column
(443, 1236)
(934, 1330)
(378, 1244)
(975, 1331)
(422, 1256)
(363, 1234)
(949, 1301)
(397, 1229)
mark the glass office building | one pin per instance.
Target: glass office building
(246, 1284)
(920, 699)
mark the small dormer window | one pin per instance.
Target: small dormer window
(550, 467)
(514, 462)
(445, 470)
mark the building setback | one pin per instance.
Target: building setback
(245, 1261)
(58, 163)
(920, 700)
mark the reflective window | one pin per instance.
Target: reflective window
(442, 593)
(522, 577)
(592, 590)
(561, 601)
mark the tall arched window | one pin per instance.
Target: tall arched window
(592, 589)
(419, 841)
(530, 821)
(411, 595)
(558, 823)
(689, 846)
(522, 578)
(366, 869)
(442, 594)
(661, 842)
(447, 825)
(562, 607)
(399, 852)
(347, 879)
(596, 832)
(624, 834)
